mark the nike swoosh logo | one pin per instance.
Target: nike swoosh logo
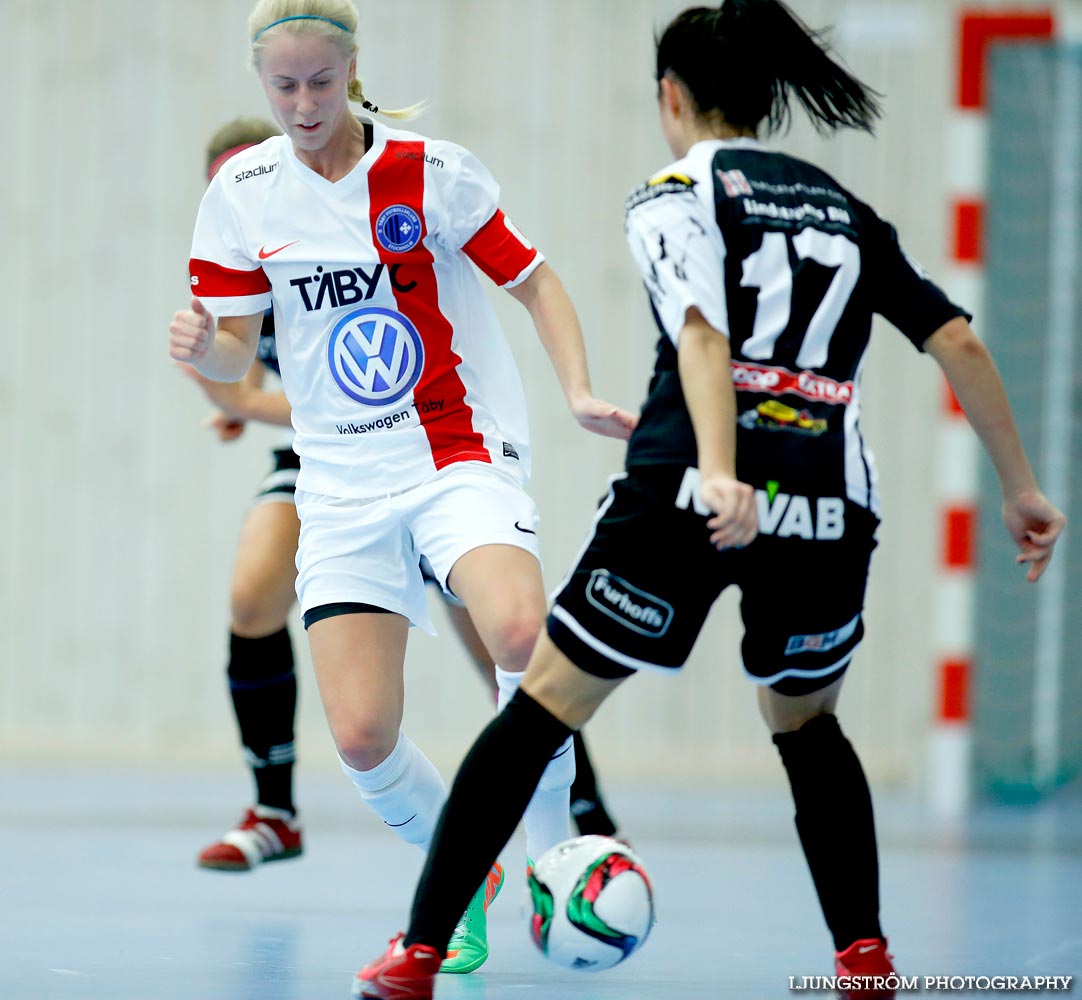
(264, 253)
(525, 531)
(868, 948)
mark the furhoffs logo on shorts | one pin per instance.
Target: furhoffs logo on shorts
(633, 608)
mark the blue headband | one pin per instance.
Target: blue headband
(301, 17)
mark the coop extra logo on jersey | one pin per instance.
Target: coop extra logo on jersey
(633, 608)
(779, 381)
(398, 228)
(783, 515)
(375, 355)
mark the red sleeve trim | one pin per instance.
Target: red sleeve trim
(213, 281)
(499, 250)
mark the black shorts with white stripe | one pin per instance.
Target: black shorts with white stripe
(648, 576)
(280, 484)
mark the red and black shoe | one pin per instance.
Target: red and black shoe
(400, 974)
(868, 965)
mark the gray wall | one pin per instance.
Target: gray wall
(119, 513)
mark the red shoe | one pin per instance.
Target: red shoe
(868, 962)
(401, 974)
(263, 834)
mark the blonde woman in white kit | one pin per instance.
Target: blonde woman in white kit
(408, 409)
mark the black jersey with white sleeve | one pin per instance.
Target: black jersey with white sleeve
(791, 267)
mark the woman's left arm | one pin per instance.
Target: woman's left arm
(557, 324)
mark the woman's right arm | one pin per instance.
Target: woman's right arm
(222, 350)
(706, 379)
(1033, 522)
(239, 402)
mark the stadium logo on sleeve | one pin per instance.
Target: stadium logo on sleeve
(245, 175)
(398, 228)
(375, 355)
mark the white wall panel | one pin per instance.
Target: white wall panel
(119, 514)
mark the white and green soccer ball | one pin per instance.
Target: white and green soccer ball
(593, 904)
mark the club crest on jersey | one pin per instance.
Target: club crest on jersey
(375, 355)
(398, 228)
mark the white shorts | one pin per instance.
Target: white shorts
(369, 551)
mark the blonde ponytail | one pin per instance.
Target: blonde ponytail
(356, 94)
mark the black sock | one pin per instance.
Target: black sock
(836, 826)
(264, 691)
(490, 793)
(587, 809)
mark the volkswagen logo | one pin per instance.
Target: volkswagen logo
(375, 355)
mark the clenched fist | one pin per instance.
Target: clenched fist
(191, 333)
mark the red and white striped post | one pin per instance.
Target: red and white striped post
(958, 451)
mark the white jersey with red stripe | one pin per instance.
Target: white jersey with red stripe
(391, 357)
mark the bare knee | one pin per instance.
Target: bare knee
(514, 639)
(253, 612)
(364, 745)
(787, 713)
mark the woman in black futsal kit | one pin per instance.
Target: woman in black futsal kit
(763, 274)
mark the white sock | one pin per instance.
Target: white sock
(548, 816)
(405, 790)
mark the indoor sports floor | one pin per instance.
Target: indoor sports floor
(100, 898)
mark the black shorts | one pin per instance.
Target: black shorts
(280, 484)
(648, 576)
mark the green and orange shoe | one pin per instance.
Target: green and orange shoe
(468, 947)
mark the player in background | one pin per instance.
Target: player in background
(408, 410)
(763, 275)
(262, 684)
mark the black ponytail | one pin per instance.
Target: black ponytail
(749, 58)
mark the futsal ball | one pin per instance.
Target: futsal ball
(592, 903)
